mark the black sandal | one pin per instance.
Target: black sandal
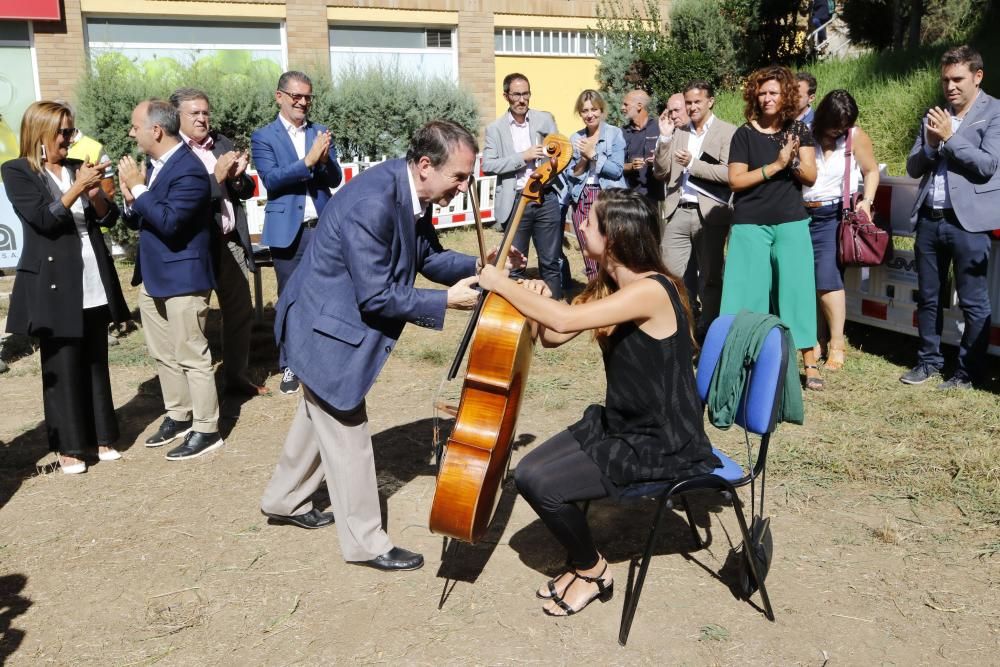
(604, 593)
(813, 383)
(551, 585)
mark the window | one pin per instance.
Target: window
(183, 40)
(426, 52)
(17, 86)
(571, 43)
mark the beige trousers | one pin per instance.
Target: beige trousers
(325, 444)
(175, 336)
(685, 234)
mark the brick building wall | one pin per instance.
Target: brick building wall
(307, 36)
(475, 57)
(59, 48)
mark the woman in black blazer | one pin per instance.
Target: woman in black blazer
(66, 290)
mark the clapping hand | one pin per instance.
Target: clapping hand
(588, 146)
(533, 153)
(89, 176)
(788, 151)
(320, 150)
(666, 125)
(130, 175)
(938, 126)
(230, 165)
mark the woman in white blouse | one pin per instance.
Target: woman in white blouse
(835, 118)
(66, 290)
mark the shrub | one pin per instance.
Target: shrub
(699, 26)
(667, 71)
(374, 111)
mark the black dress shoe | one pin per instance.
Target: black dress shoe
(311, 519)
(395, 559)
(194, 445)
(169, 430)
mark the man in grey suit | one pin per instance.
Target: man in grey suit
(513, 143)
(341, 314)
(955, 156)
(693, 162)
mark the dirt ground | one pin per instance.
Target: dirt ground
(144, 561)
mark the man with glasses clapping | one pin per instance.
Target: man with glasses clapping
(297, 162)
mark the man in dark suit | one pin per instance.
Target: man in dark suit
(955, 156)
(169, 202)
(297, 162)
(232, 251)
(340, 317)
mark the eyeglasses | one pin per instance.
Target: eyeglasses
(519, 96)
(66, 132)
(296, 98)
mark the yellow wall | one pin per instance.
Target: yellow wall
(555, 83)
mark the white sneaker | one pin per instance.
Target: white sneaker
(108, 454)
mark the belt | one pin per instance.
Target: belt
(820, 204)
(687, 204)
(310, 223)
(936, 213)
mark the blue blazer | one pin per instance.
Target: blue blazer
(610, 161)
(288, 180)
(342, 311)
(174, 218)
(972, 155)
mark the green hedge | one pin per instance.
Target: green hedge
(371, 112)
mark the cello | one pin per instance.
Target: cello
(500, 345)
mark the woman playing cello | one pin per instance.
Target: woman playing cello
(650, 426)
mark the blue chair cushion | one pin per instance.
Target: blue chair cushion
(730, 470)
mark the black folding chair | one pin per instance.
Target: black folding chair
(757, 414)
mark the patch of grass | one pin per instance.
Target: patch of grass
(713, 633)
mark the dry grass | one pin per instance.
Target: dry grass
(866, 428)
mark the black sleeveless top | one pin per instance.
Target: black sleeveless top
(650, 426)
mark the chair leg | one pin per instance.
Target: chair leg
(698, 542)
(738, 508)
(633, 592)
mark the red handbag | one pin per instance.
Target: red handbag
(861, 241)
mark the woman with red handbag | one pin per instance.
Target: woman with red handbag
(844, 157)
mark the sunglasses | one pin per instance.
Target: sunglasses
(296, 98)
(66, 132)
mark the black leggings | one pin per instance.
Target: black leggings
(552, 478)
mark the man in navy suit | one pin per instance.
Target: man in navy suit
(297, 162)
(956, 156)
(169, 203)
(339, 318)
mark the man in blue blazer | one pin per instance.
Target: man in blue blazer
(340, 317)
(297, 162)
(956, 156)
(168, 201)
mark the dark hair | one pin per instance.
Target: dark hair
(700, 84)
(163, 113)
(963, 55)
(789, 95)
(631, 228)
(808, 78)
(511, 78)
(186, 95)
(293, 75)
(836, 111)
(437, 139)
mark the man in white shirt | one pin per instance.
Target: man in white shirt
(232, 252)
(513, 144)
(693, 162)
(297, 162)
